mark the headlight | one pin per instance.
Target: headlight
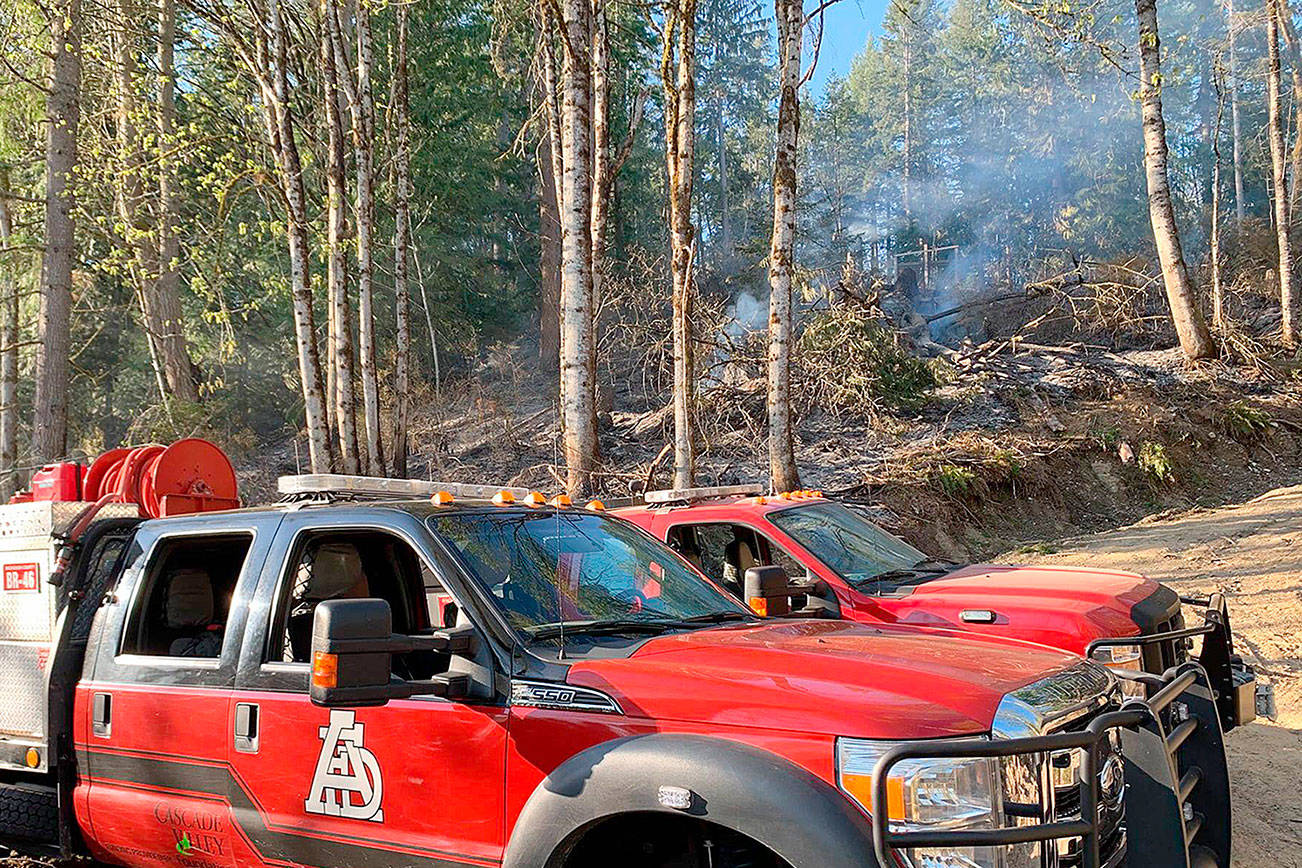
(928, 794)
(1123, 657)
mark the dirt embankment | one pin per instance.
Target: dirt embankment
(1252, 553)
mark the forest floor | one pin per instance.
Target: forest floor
(1251, 552)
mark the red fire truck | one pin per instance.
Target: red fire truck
(843, 565)
(392, 672)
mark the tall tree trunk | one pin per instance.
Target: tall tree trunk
(1285, 21)
(177, 365)
(578, 404)
(783, 475)
(725, 220)
(340, 330)
(1218, 289)
(363, 136)
(63, 115)
(130, 192)
(679, 81)
(1234, 116)
(280, 119)
(907, 199)
(9, 482)
(549, 261)
(551, 171)
(1279, 173)
(401, 241)
(600, 143)
(1189, 324)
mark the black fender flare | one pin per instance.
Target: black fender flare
(761, 795)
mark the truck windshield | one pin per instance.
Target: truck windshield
(858, 551)
(552, 570)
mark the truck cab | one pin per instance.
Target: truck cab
(846, 566)
(358, 677)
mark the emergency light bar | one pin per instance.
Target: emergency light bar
(379, 486)
(674, 494)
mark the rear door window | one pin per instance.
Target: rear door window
(183, 604)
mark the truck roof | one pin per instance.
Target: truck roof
(761, 503)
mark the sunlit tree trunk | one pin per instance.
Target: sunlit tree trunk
(63, 115)
(177, 364)
(1218, 289)
(549, 261)
(782, 459)
(1284, 18)
(678, 75)
(578, 398)
(551, 172)
(1194, 337)
(130, 187)
(1279, 175)
(281, 128)
(1237, 156)
(363, 136)
(9, 482)
(601, 177)
(401, 241)
(340, 328)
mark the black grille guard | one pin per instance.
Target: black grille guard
(1178, 797)
(1227, 672)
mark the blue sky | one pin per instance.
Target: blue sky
(848, 24)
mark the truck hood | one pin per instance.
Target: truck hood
(828, 677)
(1067, 606)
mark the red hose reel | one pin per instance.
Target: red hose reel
(189, 476)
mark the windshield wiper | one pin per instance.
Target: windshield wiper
(614, 625)
(936, 565)
(718, 617)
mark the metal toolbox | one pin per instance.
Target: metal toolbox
(29, 613)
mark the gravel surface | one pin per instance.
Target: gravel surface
(1252, 553)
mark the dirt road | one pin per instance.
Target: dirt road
(1253, 553)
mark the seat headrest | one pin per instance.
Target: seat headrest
(336, 573)
(738, 553)
(189, 599)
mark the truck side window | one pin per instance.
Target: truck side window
(352, 564)
(185, 596)
(724, 552)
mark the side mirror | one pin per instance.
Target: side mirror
(352, 656)
(768, 590)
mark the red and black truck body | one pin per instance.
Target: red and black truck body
(341, 681)
(853, 569)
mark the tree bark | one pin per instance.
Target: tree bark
(1279, 174)
(678, 74)
(402, 224)
(340, 327)
(601, 165)
(363, 111)
(130, 193)
(281, 124)
(9, 482)
(1194, 337)
(783, 474)
(551, 169)
(63, 115)
(578, 387)
(1237, 156)
(1284, 18)
(177, 364)
(549, 263)
(1218, 289)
